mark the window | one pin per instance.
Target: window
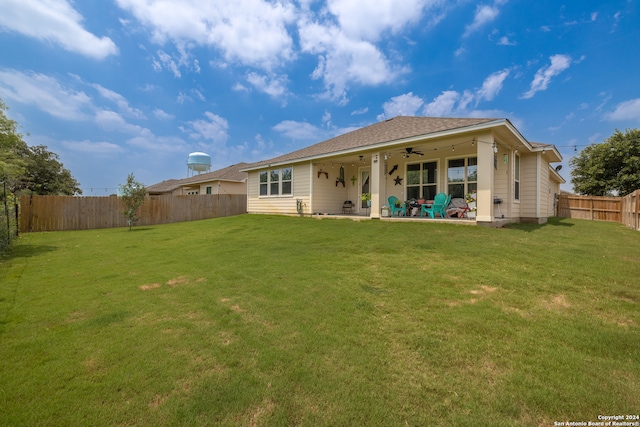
(462, 176)
(422, 181)
(516, 176)
(209, 190)
(286, 181)
(276, 182)
(264, 186)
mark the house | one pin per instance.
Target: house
(413, 158)
(229, 180)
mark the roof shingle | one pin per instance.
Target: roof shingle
(394, 129)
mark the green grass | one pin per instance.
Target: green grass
(263, 320)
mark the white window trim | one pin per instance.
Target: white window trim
(420, 184)
(466, 172)
(280, 182)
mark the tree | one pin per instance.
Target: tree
(132, 197)
(13, 151)
(31, 168)
(612, 167)
(46, 175)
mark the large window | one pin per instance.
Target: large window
(462, 176)
(276, 182)
(422, 180)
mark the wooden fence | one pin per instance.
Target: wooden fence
(60, 213)
(625, 210)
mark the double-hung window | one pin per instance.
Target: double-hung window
(422, 181)
(276, 182)
(462, 176)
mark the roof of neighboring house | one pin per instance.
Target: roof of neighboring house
(230, 173)
(394, 129)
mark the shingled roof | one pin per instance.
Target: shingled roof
(390, 130)
(230, 173)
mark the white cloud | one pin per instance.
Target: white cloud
(166, 61)
(54, 21)
(484, 15)
(505, 41)
(627, 110)
(95, 147)
(543, 76)
(119, 100)
(443, 104)
(299, 130)
(162, 115)
(360, 19)
(250, 32)
(274, 86)
(402, 105)
(343, 60)
(360, 111)
(454, 103)
(492, 85)
(112, 121)
(45, 93)
(215, 129)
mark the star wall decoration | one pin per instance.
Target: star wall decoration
(398, 180)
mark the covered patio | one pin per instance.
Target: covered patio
(413, 159)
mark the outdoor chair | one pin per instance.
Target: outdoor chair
(458, 208)
(393, 200)
(439, 205)
(347, 207)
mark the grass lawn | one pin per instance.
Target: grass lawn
(266, 320)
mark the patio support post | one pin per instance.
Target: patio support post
(485, 178)
(377, 177)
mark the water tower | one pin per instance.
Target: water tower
(198, 162)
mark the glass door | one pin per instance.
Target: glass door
(364, 187)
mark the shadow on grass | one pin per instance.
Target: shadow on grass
(26, 251)
(141, 229)
(552, 222)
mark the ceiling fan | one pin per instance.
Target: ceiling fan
(409, 151)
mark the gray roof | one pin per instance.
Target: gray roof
(390, 130)
(230, 173)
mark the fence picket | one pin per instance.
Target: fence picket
(60, 213)
(625, 210)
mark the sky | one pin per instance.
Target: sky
(133, 86)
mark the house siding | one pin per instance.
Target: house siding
(529, 186)
(286, 204)
(544, 189)
(501, 183)
(554, 191)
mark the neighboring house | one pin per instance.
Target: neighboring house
(413, 157)
(229, 180)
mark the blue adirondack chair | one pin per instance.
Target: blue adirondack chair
(439, 205)
(392, 205)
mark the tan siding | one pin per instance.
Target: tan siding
(501, 182)
(328, 194)
(224, 187)
(528, 186)
(282, 204)
(544, 188)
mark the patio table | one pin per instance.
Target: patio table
(414, 206)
